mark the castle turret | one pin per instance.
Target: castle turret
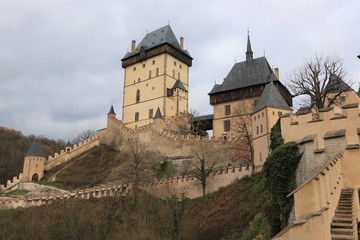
(34, 162)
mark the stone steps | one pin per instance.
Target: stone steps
(342, 222)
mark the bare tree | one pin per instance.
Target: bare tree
(241, 126)
(206, 157)
(322, 79)
(139, 167)
(84, 135)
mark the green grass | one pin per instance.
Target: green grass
(18, 192)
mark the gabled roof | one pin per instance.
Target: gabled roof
(158, 114)
(246, 74)
(111, 111)
(271, 97)
(35, 150)
(179, 84)
(337, 84)
(156, 38)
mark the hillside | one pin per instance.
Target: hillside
(234, 212)
(13, 147)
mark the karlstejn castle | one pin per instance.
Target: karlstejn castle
(246, 105)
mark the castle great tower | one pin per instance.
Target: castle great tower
(156, 77)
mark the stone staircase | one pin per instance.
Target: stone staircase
(342, 226)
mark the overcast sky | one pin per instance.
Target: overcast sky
(60, 61)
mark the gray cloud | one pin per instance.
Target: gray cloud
(60, 67)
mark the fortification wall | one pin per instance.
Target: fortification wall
(11, 183)
(315, 202)
(191, 187)
(71, 152)
(104, 190)
(330, 124)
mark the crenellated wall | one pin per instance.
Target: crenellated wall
(11, 183)
(104, 190)
(191, 187)
(315, 202)
(330, 124)
(71, 152)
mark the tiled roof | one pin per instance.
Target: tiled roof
(36, 150)
(271, 97)
(337, 84)
(245, 74)
(156, 38)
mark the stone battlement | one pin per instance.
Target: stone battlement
(71, 152)
(332, 123)
(11, 183)
(191, 187)
(104, 190)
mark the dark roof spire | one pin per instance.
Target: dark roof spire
(249, 52)
(158, 114)
(111, 111)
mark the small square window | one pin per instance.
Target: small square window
(153, 62)
(174, 63)
(134, 69)
(180, 66)
(144, 65)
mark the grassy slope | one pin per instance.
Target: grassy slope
(225, 214)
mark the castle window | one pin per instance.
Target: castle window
(137, 95)
(144, 65)
(261, 128)
(136, 116)
(150, 74)
(173, 73)
(273, 113)
(254, 118)
(134, 69)
(153, 62)
(151, 113)
(174, 63)
(342, 98)
(262, 114)
(260, 157)
(227, 110)
(138, 79)
(180, 66)
(153, 88)
(226, 125)
(279, 114)
(178, 75)
(157, 72)
(257, 130)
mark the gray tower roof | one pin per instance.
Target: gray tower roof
(35, 150)
(111, 111)
(156, 38)
(158, 114)
(271, 97)
(179, 84)
(249, 52)
(246, 74)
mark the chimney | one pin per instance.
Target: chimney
(181, 43)
(277, 73)
(133, 43)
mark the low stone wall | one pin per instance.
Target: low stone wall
(105, 190)
(191, 187)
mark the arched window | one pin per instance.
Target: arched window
(137, 96)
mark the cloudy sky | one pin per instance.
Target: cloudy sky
(60, 61)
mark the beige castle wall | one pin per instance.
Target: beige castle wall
(191, 187)
(33, 165)
(238, 107)
(71, 152)
(315, 202)
(153, 89)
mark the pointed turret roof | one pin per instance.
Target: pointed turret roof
(249, 52)
(271, 97)
(111, 111)
(156, 38)
(179, 84)
(158, 114)
(35, 150)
